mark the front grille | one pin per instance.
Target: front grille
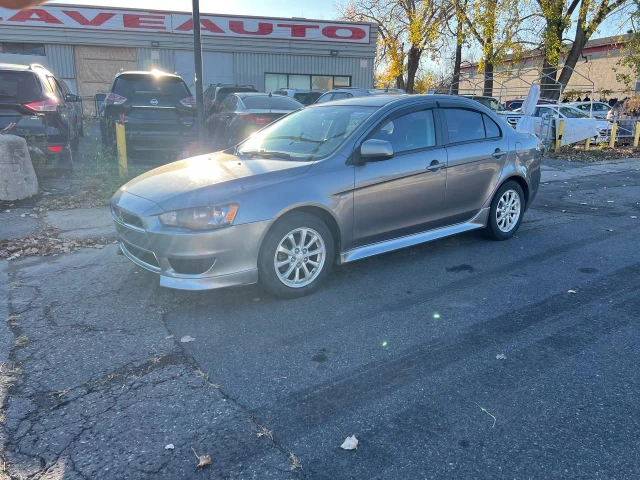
(191, 266)
(143, 255)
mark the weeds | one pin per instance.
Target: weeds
(264, 432)
(21, 341)
(295, 463)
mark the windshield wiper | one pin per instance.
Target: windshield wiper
(267, 154)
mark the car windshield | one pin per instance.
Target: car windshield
(570, 112)
(309, 134)
(275, 102)
(307, 98)
(132, 86)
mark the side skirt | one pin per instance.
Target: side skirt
(479, 221)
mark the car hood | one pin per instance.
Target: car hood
(209, 178)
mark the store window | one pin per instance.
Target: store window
(22, 48)
(275, 81)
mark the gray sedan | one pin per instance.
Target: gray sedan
(330, 183)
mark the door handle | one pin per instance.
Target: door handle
(436, 165)
(498, 154)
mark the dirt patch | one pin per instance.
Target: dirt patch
(92, 192)
(47, 242)
(571, 153)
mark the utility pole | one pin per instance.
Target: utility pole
(197, 60)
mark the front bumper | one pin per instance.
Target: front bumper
(189, 260)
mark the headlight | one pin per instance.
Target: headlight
(201, 218)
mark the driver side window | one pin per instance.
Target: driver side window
(409, 132)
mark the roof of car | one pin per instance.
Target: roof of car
(155, 73)
(382, 100)
(14, 67)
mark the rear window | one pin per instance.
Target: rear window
(223, 92)
(19, 87)
(130, 86)
(307, 98)
(264, 102)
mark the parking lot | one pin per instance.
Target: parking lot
(461, 358)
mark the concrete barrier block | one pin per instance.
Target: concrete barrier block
(17, 178)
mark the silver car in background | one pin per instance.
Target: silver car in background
(330, 183)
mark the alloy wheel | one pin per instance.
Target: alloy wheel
(299, 257)
(508, 211)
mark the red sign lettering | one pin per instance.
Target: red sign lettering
(35, 15)
(205, 24)
(98, 20)
(154, 22)
(356, 33)
(297, 31)
(263, 28)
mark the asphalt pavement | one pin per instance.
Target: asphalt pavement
(463, 358)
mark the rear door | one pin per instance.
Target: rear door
(18, 89)
(477, 150)
(404, 194)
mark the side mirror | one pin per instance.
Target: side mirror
(69, 97)
(373, 149)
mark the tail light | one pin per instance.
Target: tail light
(46, 105)
(188, 102)
(256, 119)
(114, 99)
(55, 148)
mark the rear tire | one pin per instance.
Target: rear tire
(296, 256)
(506, 212)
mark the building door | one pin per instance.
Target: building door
(96, 68)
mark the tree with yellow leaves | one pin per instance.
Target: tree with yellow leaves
(407, 29)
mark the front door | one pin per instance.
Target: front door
(477, 150)
(404, 194)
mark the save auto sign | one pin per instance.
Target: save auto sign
(88, 18)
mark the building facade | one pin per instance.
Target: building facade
(87, 46)
(597, 68)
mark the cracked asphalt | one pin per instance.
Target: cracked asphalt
(461, 358)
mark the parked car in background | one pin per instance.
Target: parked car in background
(215, 95)
(330, 183)
(304, 96)
(517, 103)
(344, 92)
(488, 102)
(77, 108)
(388, 90)
(242, 114)
(35, 105)
(158, 111)
(594, 109)
(564, 112)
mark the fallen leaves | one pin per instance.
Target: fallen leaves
(350, 443)
(203, 460)
(47, 242)
(169, 446)
(572, 291)
(187, 339)
(501, 356)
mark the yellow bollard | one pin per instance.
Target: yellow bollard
(587, 144)
(636, 135)
(559, 130)
(614, 131)
(121, 142)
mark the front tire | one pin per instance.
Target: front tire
(506, 212)
(296, 256)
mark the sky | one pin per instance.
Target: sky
(315, 9)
